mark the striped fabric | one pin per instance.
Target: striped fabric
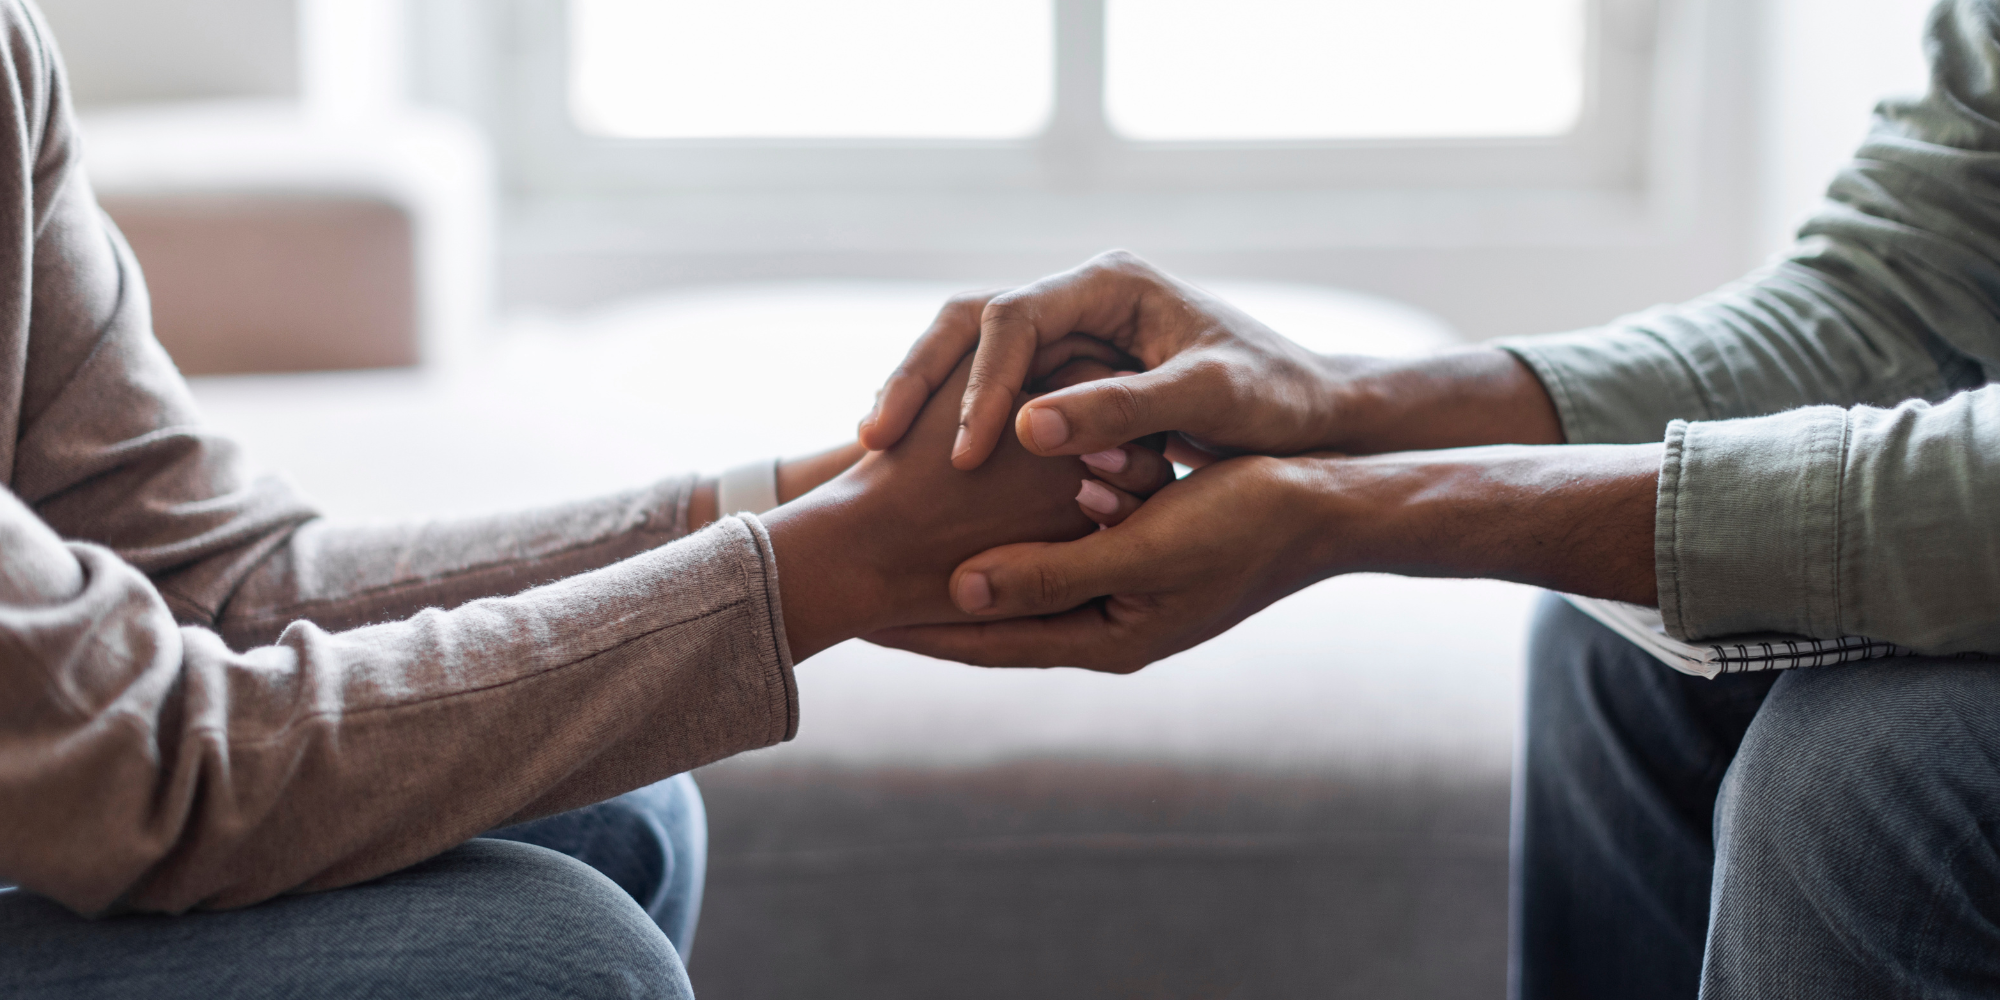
(1644, 628)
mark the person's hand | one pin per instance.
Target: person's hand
(1201, 555)
(800, 476)
(1124, 475)
(875, 547)
(1225, 382)
(1211, 549)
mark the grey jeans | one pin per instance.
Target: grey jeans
(577, 905)
(1830, 832)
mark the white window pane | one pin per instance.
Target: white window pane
(972, 69)
(1322, 69)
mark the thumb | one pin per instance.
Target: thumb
(1045, 578)
(1109, 412)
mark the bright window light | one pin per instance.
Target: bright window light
(931, 69)
(1342, 69)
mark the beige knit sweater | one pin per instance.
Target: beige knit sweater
(209, 696)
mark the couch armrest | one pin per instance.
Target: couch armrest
(274, 240)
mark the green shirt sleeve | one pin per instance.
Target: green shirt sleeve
(1792, 498)
(1828, 522)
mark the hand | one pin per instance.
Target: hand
(875, 547)
(1125, 475)
(1215, 547)
(1227, 383)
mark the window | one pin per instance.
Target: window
(621, 98)
(1363, 69)
(699, 69)
(1454, 153)
(1217, 70)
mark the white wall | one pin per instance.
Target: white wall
(343, 57)
(125, 51)
(1827, 63)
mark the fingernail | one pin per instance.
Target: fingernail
(975, 593)
(1049, 428)
(961, 444)
(1108, 460)
(1093, 496)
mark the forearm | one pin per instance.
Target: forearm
(1578, 519)
(1478, 396)
(342, 575)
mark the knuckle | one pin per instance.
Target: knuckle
(1048, 586)
(1125, 404)
(1006, 312)
(963, 308)
(1120, 259)
(978, 386)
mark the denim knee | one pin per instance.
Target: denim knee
(1865, 751)
(1856, 837)
(485, 919)
(652, 842)
(535, 922)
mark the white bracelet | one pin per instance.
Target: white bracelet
(752, 487)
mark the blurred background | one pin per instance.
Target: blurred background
(436, 256)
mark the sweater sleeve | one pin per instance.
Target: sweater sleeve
(1891, 292)
(149, 766)
(209, 696)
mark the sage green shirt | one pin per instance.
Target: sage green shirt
(1832, 446)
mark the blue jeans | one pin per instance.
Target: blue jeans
(1829, 832)
(598, 902)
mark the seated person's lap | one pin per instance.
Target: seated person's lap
(1634, 770)
(492, 917)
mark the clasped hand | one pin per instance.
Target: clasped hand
(1142, 364)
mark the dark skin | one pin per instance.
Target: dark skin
(1307, 466)
(875, 547)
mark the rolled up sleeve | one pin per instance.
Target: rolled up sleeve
(1828, 522)
(1828, 439)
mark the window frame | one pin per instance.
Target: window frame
(547, 156)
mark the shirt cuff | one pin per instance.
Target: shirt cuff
(1609, 386)
(1746, 536)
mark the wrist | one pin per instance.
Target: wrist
(1301, 505)
(1575, 518)
(832, 586)
(1464, 398)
